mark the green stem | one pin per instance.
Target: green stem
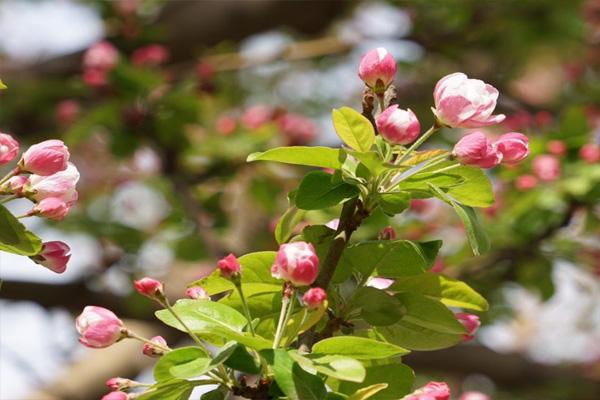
(196, 339)
(134, 335)
(287, 305)
(291, 337)
(7, 199)
(416, 144)
(381, 101)
(12, 173)
(238, 286)
(449, 167)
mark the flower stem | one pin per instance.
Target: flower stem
(12, 173)
(416, 144)
(7, 199)
(287, 305)
(134, 335)
(449, 167)
(291, 337)
(238, 286)
(167, 305)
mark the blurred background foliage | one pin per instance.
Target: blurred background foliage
(165, 188)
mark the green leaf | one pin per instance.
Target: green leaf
(318, 191)
(242, 360)
(369, 159)
(256, 268)
(336, 366)
(394, 203)
(368, 391)
(287, 223)
(475, 233)
(15, 238)
(476, 191)
(353, 128)
(175, 389)
(324, 157)
(378, 308)
(451, 292)
(2, 85)
(398, 377)
(295, 382)
(217, 394)
(358, 347)
(388, 258)
(183, 363)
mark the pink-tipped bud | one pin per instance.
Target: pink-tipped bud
(67, 111)
(590, 153)
(46, 158)
(431, 391)
(118, 383)
(15, 185)
(9, 148)
(98, 327)
(95, 77)
(197, 293)
(314, 297)
(51, 208)
(149, 287)
(398, 126)
(513, 146)
(387, 233)
(256, 116)
(438, 266)
(60, 185)
(155, 351)
(461, 102)
(470, 322)
(297, 129)
(153, 54)
(377, 69)
(226, 125)
(546, 167)
(477, 150)
(297, 263)
(229, 266)
(474, 396)
(116, 396)
(556, 147)
(524, 183)
(54, 256)
(102, 56)
(378, 282)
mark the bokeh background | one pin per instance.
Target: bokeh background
(161, 143)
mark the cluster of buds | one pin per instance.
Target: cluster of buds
(98, 61)
(431, 391)
(45, 176)
(478, 150)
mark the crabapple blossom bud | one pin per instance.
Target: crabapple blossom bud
(476, 149)
(297, 128)
(115, 396)
(513, 146)
(153, 54)
(470, 322)
(314, 297)
(461, 102)
(54, 255)
(118, 383)
(154, 351)
(256, 116)
(98, 327)
(546, 167)
(197, 293)
(226, 125)
(60, 185)
(229, 266)
(438, 266)
(102, 56)
(379, 282)
(297, 263)
(474, 396)
(556, 147)
(9, 148)
(431, 391)
(524, 183)
(51, 208)
(149, 287)
(67, 111)
(377, 69)
(15, 185)
(387, 233)
(45, 158)
(590, 153)
(398, 126)
(95, 77)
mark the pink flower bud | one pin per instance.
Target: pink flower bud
(297, 263)
(314, 297)
(476, 149)
(54, 256)
(154, 351)
(153, 54)
(470, 322)
(115, 396)
(226, 125)
(377, 69)
(51, 208)
(197, 293)
(398, 126)
(46, 158)
(297, 129)
(15, 185)
(474, 396)
(98, 327)
(461, 102)
(67, 111)
(149, 287)
(557, 147)
(9, 148)
(102, 56)
(60, 185)
(590, 153)
(546, 167)
(431, 391)
(118, 383)
(229, 266)
(256, 116)
(524, 183)
(379, 282)
(513, 146)
(438, 266)
(95, 77)
(387, 233)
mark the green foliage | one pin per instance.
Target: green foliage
(398, 377)
(353, 128)
(183, 363)
(324, 157)
(174, 389)
(358, 347)
(320, 190)
(15, 238)
(377, 307)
